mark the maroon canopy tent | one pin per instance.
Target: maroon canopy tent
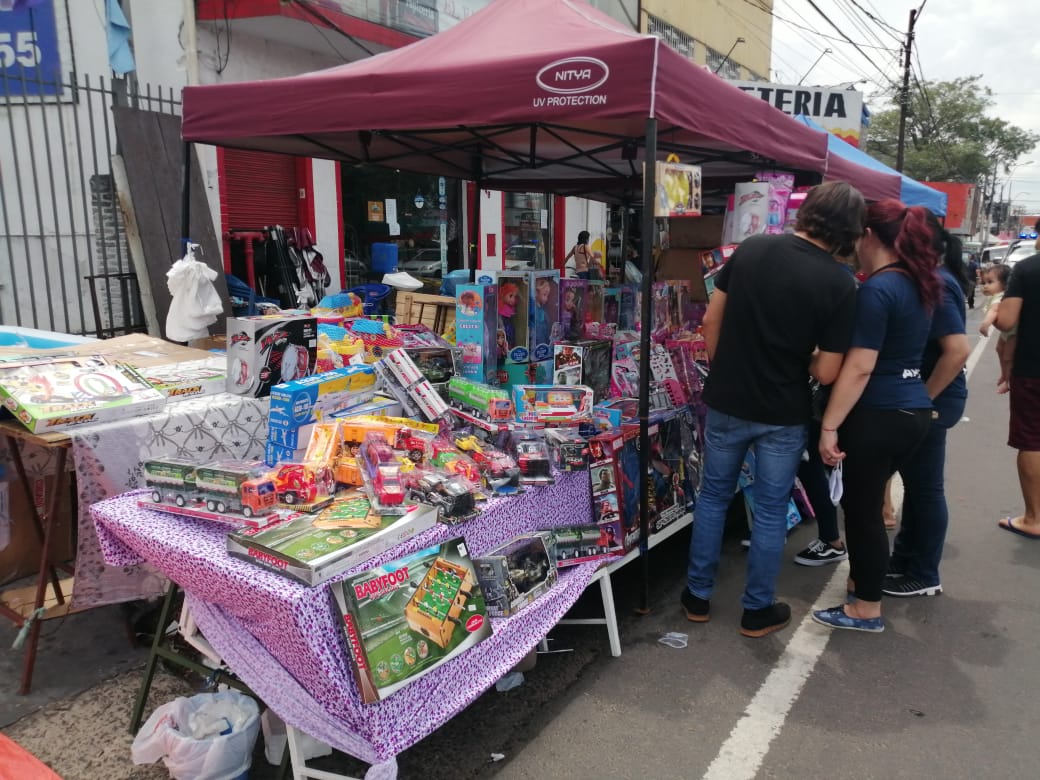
(528, 95)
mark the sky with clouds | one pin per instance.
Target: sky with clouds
(953, 38)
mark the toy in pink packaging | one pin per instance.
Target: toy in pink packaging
(750, 209)
(794, 202)
(573, 296)
(780, 187)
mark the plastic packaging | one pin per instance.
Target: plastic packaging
(195, 304)
(208, 736)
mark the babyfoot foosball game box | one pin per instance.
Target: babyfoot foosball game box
(409, 616)
(311, 548)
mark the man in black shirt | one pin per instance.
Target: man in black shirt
(1021, 307)
(782, 310)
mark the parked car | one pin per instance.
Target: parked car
(521, 257)
(1020, 251)
(993, 254)
(425, 262)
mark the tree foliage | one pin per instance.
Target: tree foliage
(949, 136)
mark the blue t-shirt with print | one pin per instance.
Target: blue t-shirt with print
(891, 319)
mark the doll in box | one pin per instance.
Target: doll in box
(508, 297)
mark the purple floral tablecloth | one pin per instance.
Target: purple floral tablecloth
(283, 638)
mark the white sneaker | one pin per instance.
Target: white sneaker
(820, 553)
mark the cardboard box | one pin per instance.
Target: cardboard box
(409, 616)
(21, 556)
(514, 297)
(543, 313)
(297, 438)
(476, 329)
(677, 190)
(685, 264)
(515, 574)
(585, 362)
(57, 393)
(511, 374)
(571, 545)
(311, 548)
(573, 303)
(701, 233)
(264, 351)
(320, 396)
(190, 379)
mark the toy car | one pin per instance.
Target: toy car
(469, 443)
(532, 456)
(452, 495)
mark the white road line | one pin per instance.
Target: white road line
(741, 755)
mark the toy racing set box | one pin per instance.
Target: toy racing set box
(56, 393)
(188, 380)
(407, 617)
(311, 548)
(264, 351)
(515, 574)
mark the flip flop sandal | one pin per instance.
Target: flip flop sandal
(1008, 525)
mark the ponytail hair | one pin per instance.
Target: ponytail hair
(906, 231)
(950, 252)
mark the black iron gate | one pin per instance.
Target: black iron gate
(65, 264)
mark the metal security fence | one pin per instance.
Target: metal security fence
(64, 261)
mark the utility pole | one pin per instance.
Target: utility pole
(904, 95)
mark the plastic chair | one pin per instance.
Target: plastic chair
(372, 296)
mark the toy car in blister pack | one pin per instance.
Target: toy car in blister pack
(452, 494)
(532, 457)
(569, 449)
(381, 473)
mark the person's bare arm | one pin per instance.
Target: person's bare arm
(713, 321)
(1008, 312)
(825, 366)
(990, 319)
(855, 372)
(955, 350)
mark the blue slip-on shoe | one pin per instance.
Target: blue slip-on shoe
(835, 617)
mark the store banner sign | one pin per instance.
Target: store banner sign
(839, 111)
(30, 62)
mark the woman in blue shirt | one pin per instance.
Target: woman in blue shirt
(879, 407)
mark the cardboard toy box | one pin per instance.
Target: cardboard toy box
(311, 548)
(574, 295)
(511, 374)
(543, 313)
(584, 362)
(571, 545)
(476, 327)
(515, 574)
(317, 397)
(407, 617)
(190, 379)
(297, 438)
(514, 298)
(264, 351)
(56, 393)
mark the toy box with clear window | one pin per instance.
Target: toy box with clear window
(594, 301)
(476, 326)
(515, 574)
(571, 545)
(540, 373)
(573, 304)
(609, 482)
(668, 478)
(514, 296)
(410, 615)
(628, 311)
(543, 313)
(319, 397)
(628, 465)
(264, 351)
(584, 362)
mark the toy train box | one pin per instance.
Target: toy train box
(321, 396)
(264, 351)
(404, 618)
(515, 574)
(60, 392)
(571, 545)
(476, 330)
(552, 403)
(188, 380)
(311, 548)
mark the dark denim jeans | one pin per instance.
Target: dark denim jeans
(918, 546)
(778, 451)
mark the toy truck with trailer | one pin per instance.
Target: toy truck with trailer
(230, 487)
(486, 402)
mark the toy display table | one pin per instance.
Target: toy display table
(284, 640)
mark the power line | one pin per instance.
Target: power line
(847, 38)
(895, 33)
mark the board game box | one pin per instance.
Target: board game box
(311, 548)
(409, 616)
(56, 393)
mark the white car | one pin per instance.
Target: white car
(1019, 252)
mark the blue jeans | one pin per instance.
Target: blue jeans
(918, 546)
(778, 451)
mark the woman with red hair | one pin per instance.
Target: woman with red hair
(879, 409)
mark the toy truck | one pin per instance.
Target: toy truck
(532, 456)
(382, 469)
(489, 403)
(224, 487)
(302, 483)
(451, 494)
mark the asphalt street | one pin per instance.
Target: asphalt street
(948, 690)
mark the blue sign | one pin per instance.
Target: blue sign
(30, 63)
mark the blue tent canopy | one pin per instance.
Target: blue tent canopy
(912, 192)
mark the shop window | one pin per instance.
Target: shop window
(526, 231)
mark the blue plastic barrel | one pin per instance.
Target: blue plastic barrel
(384, 258)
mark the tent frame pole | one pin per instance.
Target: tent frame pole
(186, 199)
(648, 242)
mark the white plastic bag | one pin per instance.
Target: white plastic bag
(209, 736)
(195, 305)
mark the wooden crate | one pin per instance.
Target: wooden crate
(422, 308)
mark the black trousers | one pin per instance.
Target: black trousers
(876, 442)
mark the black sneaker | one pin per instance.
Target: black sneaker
(820, 553)
(760, 622)
(697, 609)
(903, 587)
